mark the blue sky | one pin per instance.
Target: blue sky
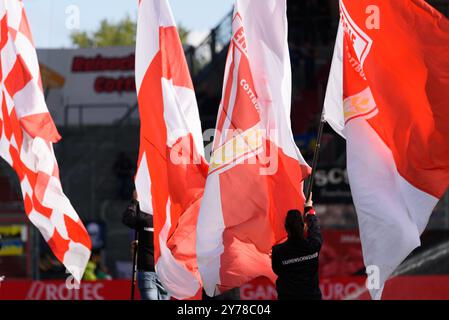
(48, 17)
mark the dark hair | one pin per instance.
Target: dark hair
(294, 225)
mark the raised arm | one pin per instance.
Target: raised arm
(313, 228)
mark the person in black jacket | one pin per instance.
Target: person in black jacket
(150, 287)
(295, 261)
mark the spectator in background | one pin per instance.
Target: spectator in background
(295, 261)
(95, 270)
(147, 280)
(49, 266)
(123, 170)
(89, 272)
(96, 231)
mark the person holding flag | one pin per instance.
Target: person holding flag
(295, 261)
(149, 285)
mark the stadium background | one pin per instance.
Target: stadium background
(91, 95)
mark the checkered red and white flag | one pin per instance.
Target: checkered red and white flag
(27, 132)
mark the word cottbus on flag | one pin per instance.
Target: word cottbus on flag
(388, 96)
(171, 170)
(256, 170)
(27, 134)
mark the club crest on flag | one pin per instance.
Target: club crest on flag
(239, 35)
(358, 98)
(361, 42)
(242, 146)
(361, 104)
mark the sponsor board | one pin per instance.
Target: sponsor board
(80, 83)
(353, 288)
(333, 288)
(259, 289)
(13, 240)
(59, 290)
(332, 185)
(341, 254)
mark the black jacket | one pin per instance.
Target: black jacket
(296, 264)
(143, 224)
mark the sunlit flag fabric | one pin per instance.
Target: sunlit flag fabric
(256, 171)
(388, 96)
(171, 170)
(27, 134)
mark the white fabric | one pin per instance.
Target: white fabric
(209, 230)
(143, 183)
(333, 102)
(148, 39)
(269, 58)
(181, 114)
(391, 212)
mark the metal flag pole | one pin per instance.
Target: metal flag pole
(133, 278)
(315, 156)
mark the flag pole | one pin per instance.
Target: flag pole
(315, 156)
(133, 278)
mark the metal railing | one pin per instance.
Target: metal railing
(80, 108)
(206, 52)
(126, 119)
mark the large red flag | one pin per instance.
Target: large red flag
(256, 171)
(388, 95)
(171, 170)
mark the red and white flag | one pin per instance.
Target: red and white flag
(388, 96)
(27, 134)
(171, 170)
(256, 170)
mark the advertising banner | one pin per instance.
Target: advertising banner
(334, 288)
(89, 85)
(66, 290)
(354, 288)
(331, 185)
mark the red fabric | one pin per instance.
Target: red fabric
(408, 72)
(165, 176)
(311, 212)
(254, 205)
(182, 183)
